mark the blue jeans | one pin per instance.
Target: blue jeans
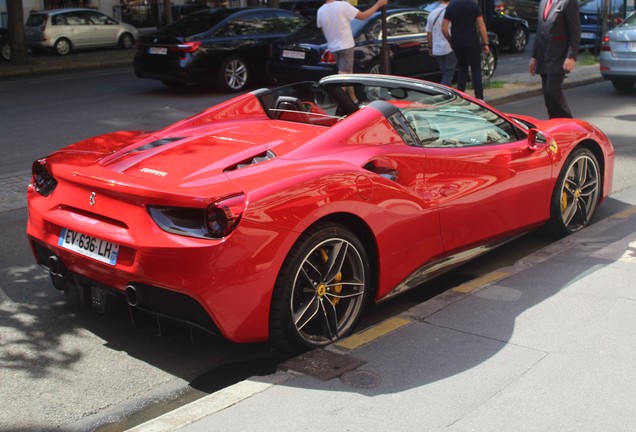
(447, 65)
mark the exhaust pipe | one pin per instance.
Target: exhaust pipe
(134, 295)
(55, 266)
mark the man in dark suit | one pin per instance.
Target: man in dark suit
(555, 50)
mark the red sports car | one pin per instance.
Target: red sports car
(279, 214)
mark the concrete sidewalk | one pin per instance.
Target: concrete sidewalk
(545, 345)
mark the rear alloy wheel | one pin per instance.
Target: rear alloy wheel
(126, 41)
(488, 65)
(321, 289)
(576, 193)
(233, 74)
(5, 51)
(374, 67)
(519, 40)
(62, 46)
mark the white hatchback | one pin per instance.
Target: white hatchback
(66, 29)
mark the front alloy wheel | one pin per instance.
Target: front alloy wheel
(321, 289)
(576, 194)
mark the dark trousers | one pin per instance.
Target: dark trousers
(469, 57)
(553, 95)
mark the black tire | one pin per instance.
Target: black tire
(62, 46)
(373, 67)
(488, 65)
(234, 75)
(622, 84)
(5, 51)
(321, 289)
(576, 194)
(126, 41)
(519, 40)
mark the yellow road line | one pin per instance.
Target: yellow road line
(482, 280)
(364, 337)
(625, 213)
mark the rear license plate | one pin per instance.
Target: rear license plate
(92, 247)
(588, 36)
(294, 54)
(158, 50)
(631, 46)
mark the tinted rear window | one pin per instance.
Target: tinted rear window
(35, 20)
(196, 23)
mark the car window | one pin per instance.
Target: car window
(97, 18)
(288, 23)
(195, 23)
(442, 120)
(403, 25)
(35, 20)
(630, 21)
(70, 18)
(252, 24)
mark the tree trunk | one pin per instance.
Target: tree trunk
(16, 32)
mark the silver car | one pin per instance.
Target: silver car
(66, 29)
(618, 55)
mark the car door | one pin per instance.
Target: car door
(488, 180)
(73, 26)
(103, 30)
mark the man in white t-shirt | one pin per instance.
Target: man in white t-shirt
(334, 18)
(438, 45)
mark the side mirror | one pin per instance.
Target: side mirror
(538, 140)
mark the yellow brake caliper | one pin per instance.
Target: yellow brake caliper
(337, 289)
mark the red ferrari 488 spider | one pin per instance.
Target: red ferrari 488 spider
(279, 214)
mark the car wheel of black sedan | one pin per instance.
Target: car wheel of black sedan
(233, 74)
(374, 67)
(488, 65)
(519, 40)
(5, 51)
(62, 46)
(576, 194)
(321, 289)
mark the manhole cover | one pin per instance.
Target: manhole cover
(322, 364)
(361, 379)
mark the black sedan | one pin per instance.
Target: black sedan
(226, 47)
(304, 55)
(513, 33)
(5, 47)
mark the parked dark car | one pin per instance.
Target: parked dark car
(591, 21)
(524, 9)
(226, 47)
(513, 33)
(304, 55)
(5, 47)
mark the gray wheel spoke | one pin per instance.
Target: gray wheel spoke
(306, 314)
(329, 319)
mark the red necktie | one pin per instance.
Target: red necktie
(548, 5)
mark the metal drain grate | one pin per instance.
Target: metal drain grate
(322, 364)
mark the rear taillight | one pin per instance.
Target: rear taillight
(327, 58)
(187, 47)
(605, 46)
(42, 180)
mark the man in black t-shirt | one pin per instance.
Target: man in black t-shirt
(465, 29)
